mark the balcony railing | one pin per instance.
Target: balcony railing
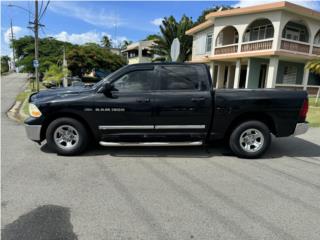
(295, 46)
(256, 45)
(232, 48)
(316, 50)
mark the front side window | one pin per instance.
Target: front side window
(183, 78)
(136, 81)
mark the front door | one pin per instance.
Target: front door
(182, 102)
(127, 112)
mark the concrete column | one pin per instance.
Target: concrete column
(237, 74)
(220, 76)
(272, 72)
(140, 52)
(305, 78)
(212, 72)
(248, 73)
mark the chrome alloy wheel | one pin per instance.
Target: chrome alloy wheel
(251, 140)
(66, 136)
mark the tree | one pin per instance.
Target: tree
(50, 52)
(5, 64)
(54, 73)
(314, 66)
(106, 42)
(82, 59)
(169, 30)
(151, 37)
(125, 43)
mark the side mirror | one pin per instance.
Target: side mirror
(106, 88)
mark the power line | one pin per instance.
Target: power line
(44, 11)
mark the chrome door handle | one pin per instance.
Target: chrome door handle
(199, 99)
(144, 100)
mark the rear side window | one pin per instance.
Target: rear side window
(183, 78)
(136, 81)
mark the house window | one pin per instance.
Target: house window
(317, 39)
(290, 75)
(296, 31)
(259, 33)
(209, 42)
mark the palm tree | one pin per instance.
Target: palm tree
(169, 30)
(106, 42)
(314, 66)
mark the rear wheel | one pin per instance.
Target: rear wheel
(67, 136)
(250, 139)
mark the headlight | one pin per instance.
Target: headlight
(34, 111)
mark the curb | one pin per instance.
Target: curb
(13, 113)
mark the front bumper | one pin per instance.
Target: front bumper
(301, 128)
(33, 132)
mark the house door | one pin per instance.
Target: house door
(243, 77)
(263, 75)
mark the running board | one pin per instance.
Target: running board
(149, 144)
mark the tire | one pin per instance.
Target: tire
(250, 139)
(67, 136)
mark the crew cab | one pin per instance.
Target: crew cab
(160, 104)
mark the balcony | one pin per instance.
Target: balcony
(226, 49)
(316, 50)
(263, 44)
(295, 46)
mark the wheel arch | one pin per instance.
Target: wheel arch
(253, 116)
(72, 115)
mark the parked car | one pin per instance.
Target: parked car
(164, 105)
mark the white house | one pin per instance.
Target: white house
(139, 52)
(263, 46)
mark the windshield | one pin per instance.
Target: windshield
(107, 79)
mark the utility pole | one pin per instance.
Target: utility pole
(65, 68)
(36, 43)
(13, 55)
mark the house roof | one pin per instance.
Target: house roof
(199, 27)
(142, 44)
(287, 6)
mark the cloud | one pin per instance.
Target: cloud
(17, 33)
(157, 21)
(86, 37)
(309, 4)
(94, 17)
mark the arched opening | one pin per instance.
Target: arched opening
(258, 30)
(317, 39)
(296, 30)
(228, 35)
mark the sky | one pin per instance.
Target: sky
(87, 21)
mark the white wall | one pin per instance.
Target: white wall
(241, 23)
(199, 42)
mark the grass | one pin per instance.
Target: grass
(313, 116)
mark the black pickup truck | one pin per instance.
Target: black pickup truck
(164, 105)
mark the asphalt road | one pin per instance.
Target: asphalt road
(157, 193)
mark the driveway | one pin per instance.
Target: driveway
(157, 193)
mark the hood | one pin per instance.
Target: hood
(59, 93)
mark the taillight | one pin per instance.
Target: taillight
(304, 109)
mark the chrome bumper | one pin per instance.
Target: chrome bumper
(33, 132)
(301, 128)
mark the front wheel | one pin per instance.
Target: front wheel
(250, 139)
(67, 136)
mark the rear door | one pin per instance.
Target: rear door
(182, 101)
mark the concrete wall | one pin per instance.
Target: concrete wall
(199, 42)
(254, 71)
(241, 23)
(300, 70)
